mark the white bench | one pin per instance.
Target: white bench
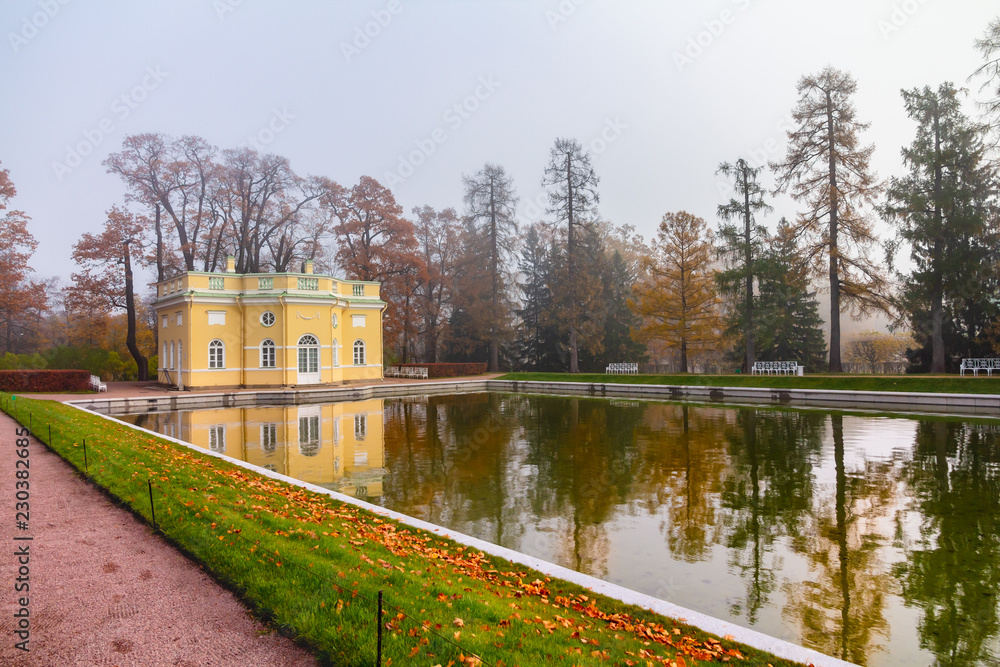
(406, 372)
(96, 384)
(776, 367)
(622, 369)
(976, 365)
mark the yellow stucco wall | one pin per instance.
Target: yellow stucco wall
(229, 308)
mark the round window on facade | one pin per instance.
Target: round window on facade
(267, 319)
(334, 320)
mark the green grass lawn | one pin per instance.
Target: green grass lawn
(313, 566)
(941, 384)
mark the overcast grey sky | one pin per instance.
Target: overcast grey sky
(416, 93)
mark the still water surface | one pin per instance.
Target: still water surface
(874, 539)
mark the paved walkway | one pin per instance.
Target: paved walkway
(104, 590)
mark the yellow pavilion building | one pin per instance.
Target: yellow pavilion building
(266, 330)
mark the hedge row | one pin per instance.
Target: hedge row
(44, 381)
(449, 370)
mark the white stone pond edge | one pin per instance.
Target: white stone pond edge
(709, 624)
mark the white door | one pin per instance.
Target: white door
(308, 360)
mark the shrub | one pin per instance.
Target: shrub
(44, 381)
(449, 370)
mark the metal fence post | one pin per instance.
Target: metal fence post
(152, 508)
(378, 663)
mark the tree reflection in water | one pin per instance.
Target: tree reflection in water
(822, 534)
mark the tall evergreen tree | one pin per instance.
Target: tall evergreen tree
(620, 322)
(491, 205)
(989, 71)
(573, 199)
(537, 340)
(742, 245)
(941, 210)
(791, 327)
(828, 170)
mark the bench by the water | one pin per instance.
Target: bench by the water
(776, 367)
(96, 384)
(976, 365)
(406, 372)
(622, 369)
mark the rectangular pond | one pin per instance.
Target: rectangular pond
(872, 538)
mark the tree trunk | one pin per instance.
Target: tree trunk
(494, 365)
(159, 244)
(142, 366)
(836, 366)
(684, 355)
(937, 303)
(748, 325)
(574, 361)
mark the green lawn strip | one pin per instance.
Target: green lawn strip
(940, 384)
(313, 566)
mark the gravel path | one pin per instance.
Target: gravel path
(105, 591)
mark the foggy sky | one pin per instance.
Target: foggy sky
(417, 93)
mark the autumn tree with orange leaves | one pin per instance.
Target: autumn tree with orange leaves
(105, 281)
(377, 243)
(678, 301)
(22, 300)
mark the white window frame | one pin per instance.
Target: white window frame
(358, 321)
(359, 345)
(269, 437)
(172, 357)
(166, 319)
(216, 318)
(217, 438)
(307, 348)
(264, 315)
(163, 359)
(180, 318)
(310, 431)
(221, 361)
(267, 346)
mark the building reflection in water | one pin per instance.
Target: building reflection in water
(337, 446)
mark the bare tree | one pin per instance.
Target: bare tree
(827, 169)
(573, 199)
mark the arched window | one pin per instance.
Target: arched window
(216, 354)
(359, 352)
(267, 356)
(336, 353)
(172, 348)
(309, 355)
(163, 358)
